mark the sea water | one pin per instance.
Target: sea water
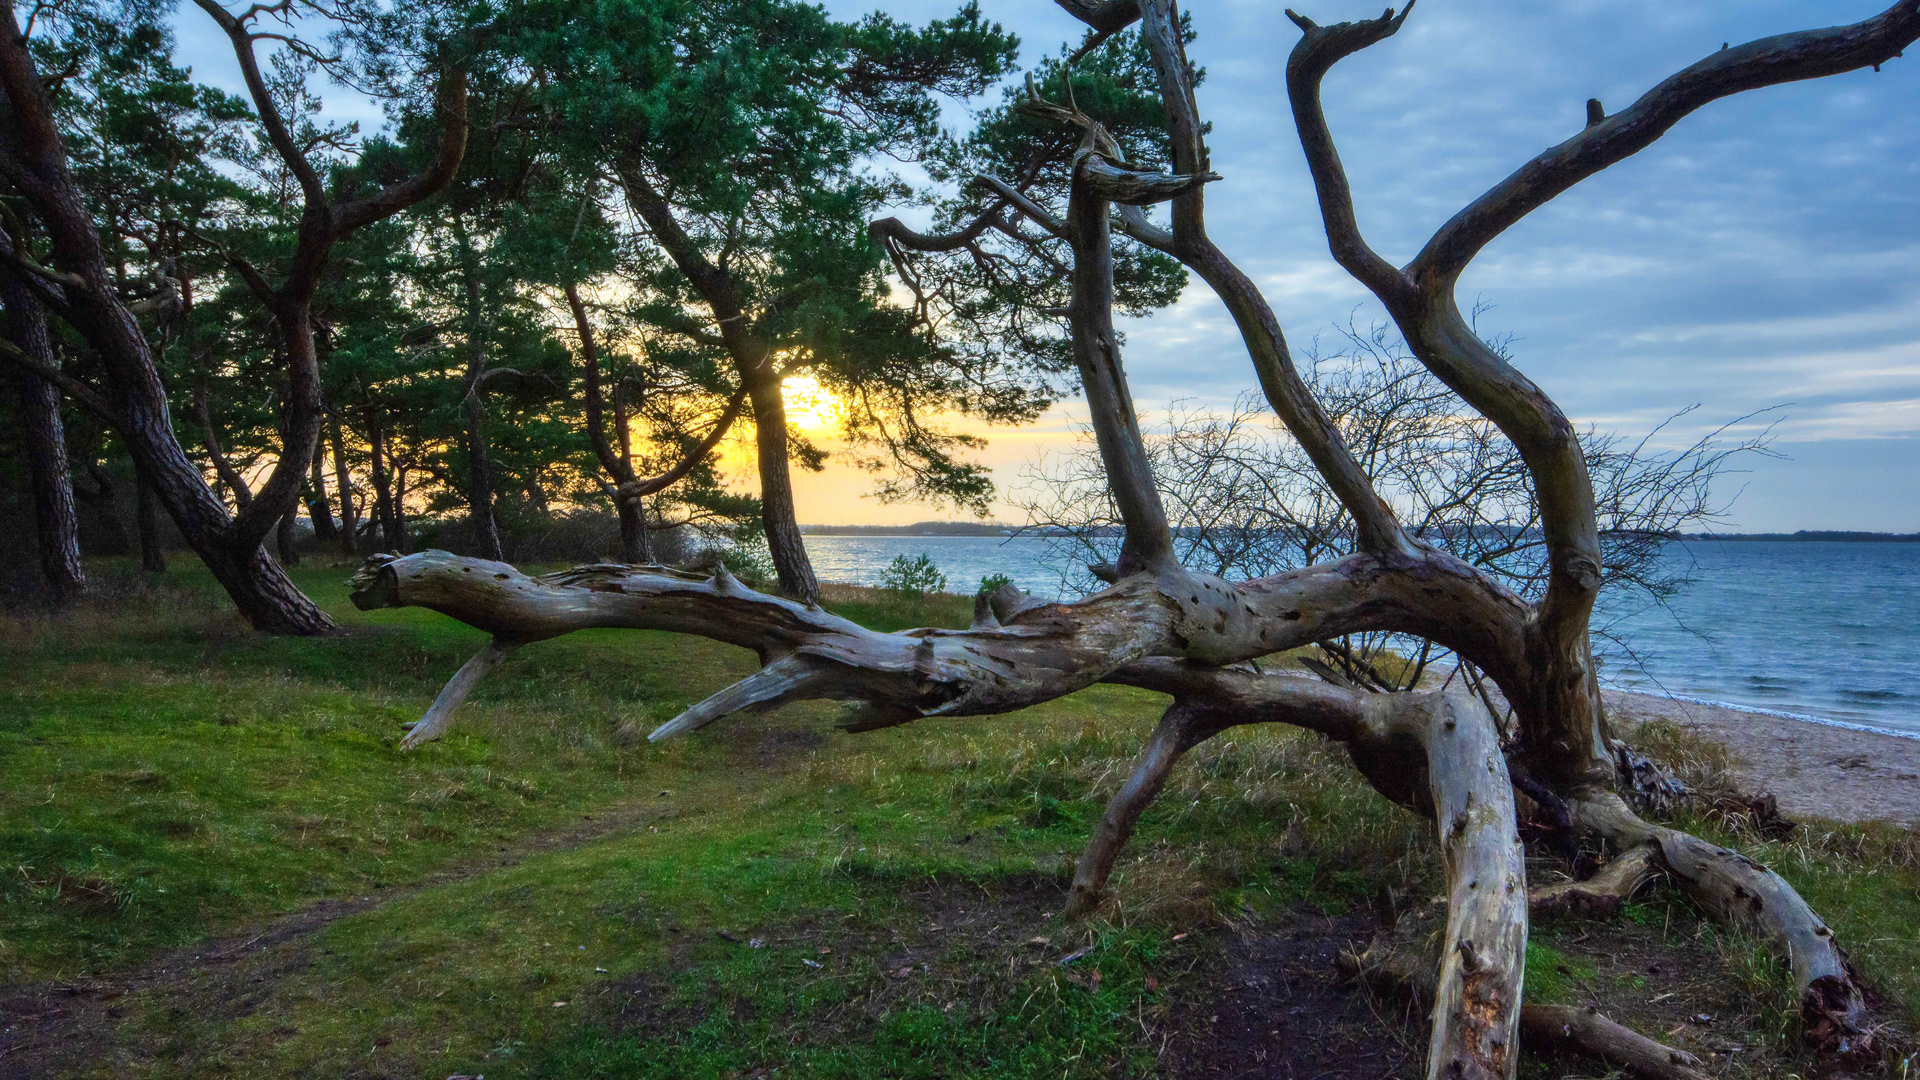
(1828, 631)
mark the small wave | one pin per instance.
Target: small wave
(1872, 695)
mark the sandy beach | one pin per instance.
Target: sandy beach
(1814, 770)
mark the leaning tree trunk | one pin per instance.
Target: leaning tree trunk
(751, 357)
(135, 401)
(45, 439)
(636, 544)
(777, 513)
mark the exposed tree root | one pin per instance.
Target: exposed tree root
(1737, 889)
(1569, 1030)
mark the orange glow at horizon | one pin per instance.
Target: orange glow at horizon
(841, 494)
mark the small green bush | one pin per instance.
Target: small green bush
(913, 578)
(751, 564)
(993, 582)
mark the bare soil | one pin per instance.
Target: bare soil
(1271, 1004)
(1812, 769)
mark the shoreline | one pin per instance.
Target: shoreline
(1814, 767)
(1805, 718)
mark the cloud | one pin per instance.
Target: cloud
(1766, 251)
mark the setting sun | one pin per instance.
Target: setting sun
(810, 407)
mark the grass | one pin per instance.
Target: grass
(535, 896)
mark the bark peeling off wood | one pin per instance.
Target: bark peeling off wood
(1476, 1012)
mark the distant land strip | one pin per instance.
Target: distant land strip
(922, 528)
(994, 528)
(1821, 536)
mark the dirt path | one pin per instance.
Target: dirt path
(50, 1028)
(47, 1029)
(1814, 770)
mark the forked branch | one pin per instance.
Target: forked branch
(1319, 49)
(1808, 54)
(1375, 526)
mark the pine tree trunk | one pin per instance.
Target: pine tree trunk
(319, 508)
(789, 551)
(1563, 722)
(146, 515)
(283, 539)
(266, 596)
(105, 502)
(258, 585)
(45, 441)
(343, 482)
(636, 544)
(377, 475)
(382, 490)
(486, 532)
(402, 541)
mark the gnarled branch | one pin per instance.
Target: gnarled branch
(1040, 652)
(1320, 47)
(1374, 522)
(1808, 54)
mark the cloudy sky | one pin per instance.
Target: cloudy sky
(1764, 255)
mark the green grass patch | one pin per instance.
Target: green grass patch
(767, 897)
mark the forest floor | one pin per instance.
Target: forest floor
(217, 863)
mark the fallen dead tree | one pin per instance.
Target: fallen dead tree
(1191, 636)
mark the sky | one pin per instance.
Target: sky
(1764, 255)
